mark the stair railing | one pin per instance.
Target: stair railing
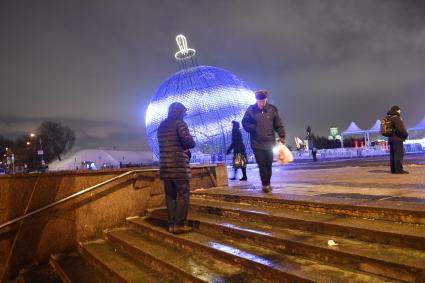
(86, 190)
(83, 191)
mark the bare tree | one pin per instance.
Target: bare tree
(6, 149)
(55, 139)
(25, 152)
(5, 143)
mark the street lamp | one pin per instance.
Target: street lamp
(39, 151)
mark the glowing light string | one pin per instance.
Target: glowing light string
(184, 51)
(213, 97)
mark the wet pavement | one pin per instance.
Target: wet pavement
(376, 222)
(358, 179)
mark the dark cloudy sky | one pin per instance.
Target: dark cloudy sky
(94, 65)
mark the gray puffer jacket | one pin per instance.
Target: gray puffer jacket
(174, 142)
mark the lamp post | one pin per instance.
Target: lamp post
(39, 151)
(6, 160)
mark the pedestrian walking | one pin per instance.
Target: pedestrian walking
(174, 142)
(261, 121)
(396, 139)
(239, 152)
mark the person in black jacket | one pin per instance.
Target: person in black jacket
(261, 121)
(396, 140)
(239, 151)
(311, 146)
(174, 142)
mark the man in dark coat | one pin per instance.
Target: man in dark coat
(261, 121)
(174, 142)
(395, 141)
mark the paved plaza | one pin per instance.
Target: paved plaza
(326, 221)
(358, 181)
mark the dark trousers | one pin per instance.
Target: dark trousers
(314, 152)
(235, 171)
(264, 160)
(177, 200)
(396, 156)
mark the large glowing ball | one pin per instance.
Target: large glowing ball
(214, 98)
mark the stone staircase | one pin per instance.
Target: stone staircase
(256, 239)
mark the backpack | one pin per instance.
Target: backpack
(387, 129)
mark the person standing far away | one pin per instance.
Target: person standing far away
(311, 144)
(174, 142)
(261, 121)
(239, 152)
(396, 140)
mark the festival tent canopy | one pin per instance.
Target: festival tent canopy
(420, 126)
(353, 129)
(376, 128)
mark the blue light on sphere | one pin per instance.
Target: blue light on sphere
(214, 98)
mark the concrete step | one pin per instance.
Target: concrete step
(176, 262)
(378, 231)
(37, 274)
(397, 211)
(265, 262)
(118, 266)
(74, 268)
(393, 262)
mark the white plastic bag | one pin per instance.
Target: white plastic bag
(284, 155)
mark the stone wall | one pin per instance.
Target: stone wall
(60, 228)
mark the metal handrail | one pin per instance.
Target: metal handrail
(83, 191)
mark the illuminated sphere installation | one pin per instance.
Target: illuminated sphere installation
(214, 98)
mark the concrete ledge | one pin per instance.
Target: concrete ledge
(60, 229)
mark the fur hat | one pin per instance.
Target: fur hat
(395, 108)
(176, 111)
(261, 94)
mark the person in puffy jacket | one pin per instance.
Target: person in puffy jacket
(396, 140)
(239, 151)
(174, 142)
(261, 121)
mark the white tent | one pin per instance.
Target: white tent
(353, 129)
(98, 158)
(376, 128)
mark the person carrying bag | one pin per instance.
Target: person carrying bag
(262, 121)
(239, 152)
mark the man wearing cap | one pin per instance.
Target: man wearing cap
(395, 141)
(261, 121)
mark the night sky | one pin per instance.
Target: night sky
(94, 65)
